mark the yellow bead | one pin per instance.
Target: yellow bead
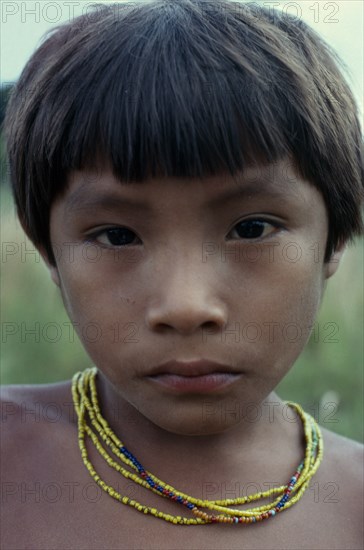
(84, 389)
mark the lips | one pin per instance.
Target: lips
(201, 367)
(200, 376)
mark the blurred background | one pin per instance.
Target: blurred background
(38, 343)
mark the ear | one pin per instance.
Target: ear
(332, 265)
(53, 270)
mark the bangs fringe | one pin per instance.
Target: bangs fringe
(158, 102)
(183, 89)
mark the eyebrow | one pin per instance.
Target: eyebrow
(84, 199)
(259, 188)
(110, 201)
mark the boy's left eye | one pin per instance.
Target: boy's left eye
(254, 229)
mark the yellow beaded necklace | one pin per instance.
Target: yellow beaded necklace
(85, 400)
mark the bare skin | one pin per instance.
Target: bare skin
(190, 273)
(49, 501)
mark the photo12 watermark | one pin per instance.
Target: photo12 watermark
(63, 11)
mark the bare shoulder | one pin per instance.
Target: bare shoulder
(18, 393)
(21, 401)
(39, 462)
(30, 411)
(343, 454)
(342, 467)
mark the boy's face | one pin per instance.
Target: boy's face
(225, 269)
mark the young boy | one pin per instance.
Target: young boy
(169, 159)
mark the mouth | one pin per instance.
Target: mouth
(200, 376)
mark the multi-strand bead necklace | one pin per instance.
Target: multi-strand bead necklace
(218, 511)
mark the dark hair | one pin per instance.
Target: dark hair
(186, 88)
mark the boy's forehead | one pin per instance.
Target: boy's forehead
(275, 178)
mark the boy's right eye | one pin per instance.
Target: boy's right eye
(115, 236)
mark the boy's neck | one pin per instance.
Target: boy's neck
(252, 451)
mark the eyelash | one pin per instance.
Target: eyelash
(94, 236)
(274, 224)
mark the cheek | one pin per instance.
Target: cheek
(293, 294)
(102, 303)
(281, 304)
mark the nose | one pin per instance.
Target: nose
(186, 300)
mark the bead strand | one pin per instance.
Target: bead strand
(196, 501)
(84, 383)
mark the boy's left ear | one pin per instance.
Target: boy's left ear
(331, 266)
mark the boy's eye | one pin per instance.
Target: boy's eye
(122, 236)
(116, 236)
(254, 229)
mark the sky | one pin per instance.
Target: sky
(341, 23)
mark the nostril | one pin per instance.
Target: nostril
(186, 315)
(211, 326)
(161, 327)
(187, 326)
